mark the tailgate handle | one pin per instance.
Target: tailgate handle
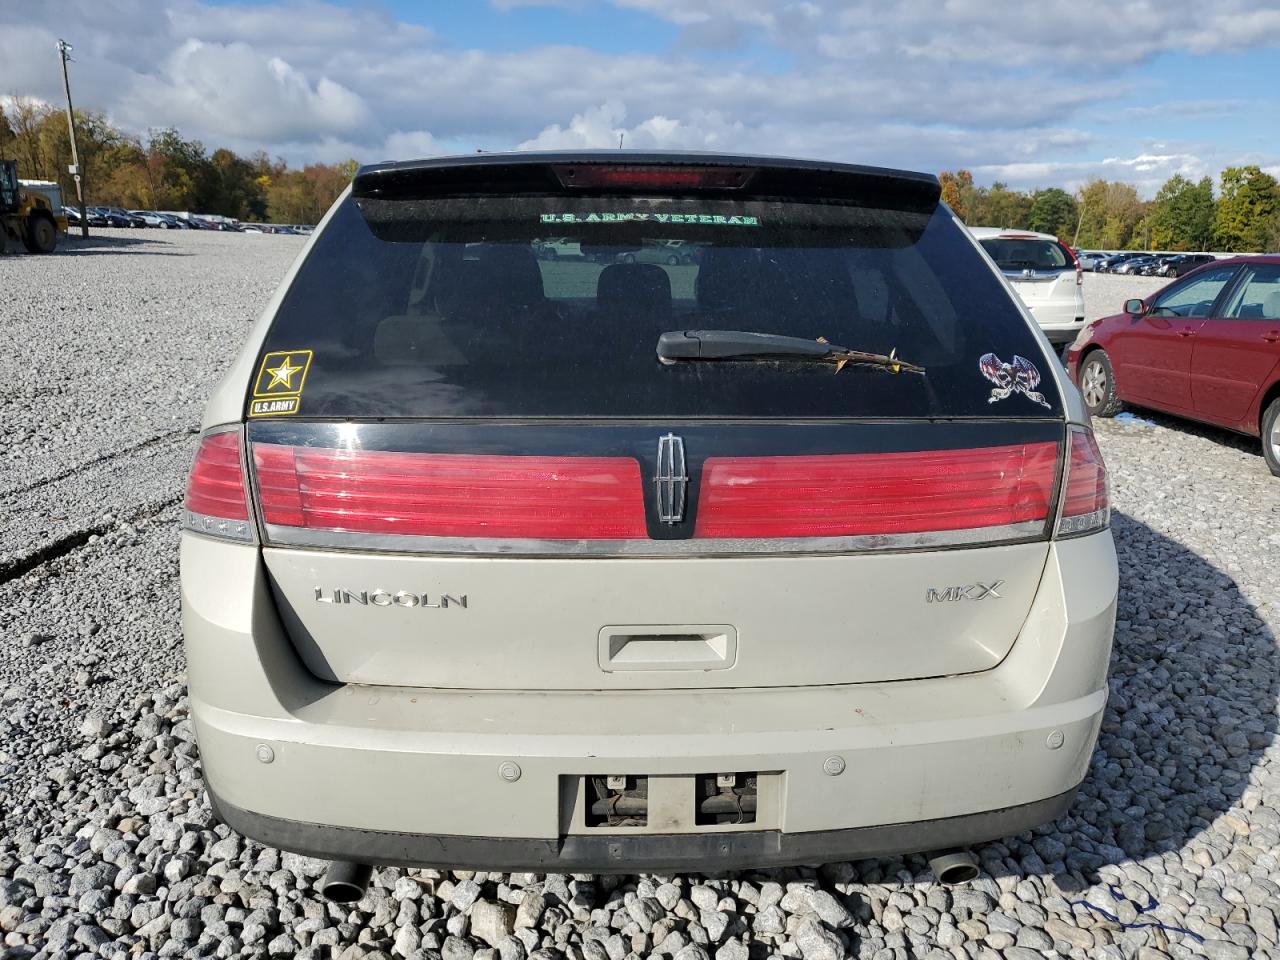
(683, 647)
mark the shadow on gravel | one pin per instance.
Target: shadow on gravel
(1195, 677)
(76, 246)
(1195, 680)
(1194, 428)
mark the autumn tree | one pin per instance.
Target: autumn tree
(237, 192)
(1053, 211)
(1109, 212)
(1181, 216)
(303, 196)
(1247, 210)
(958, 192)
(998, 206)
(25, 119)
(6, 135)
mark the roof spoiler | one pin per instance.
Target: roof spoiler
(725, 175)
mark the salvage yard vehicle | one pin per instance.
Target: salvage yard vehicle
(1183, 263)
(1044, 272)
(796, 552)
(1206, 347)
(1134, 266)
(26, 215)
(1112, 263)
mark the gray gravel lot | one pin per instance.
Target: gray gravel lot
(107, 846)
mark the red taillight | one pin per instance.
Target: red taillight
(450, 495)
(1086, 505)
(881, 493)
(216, 503)
(1075, 258)
(634, 176)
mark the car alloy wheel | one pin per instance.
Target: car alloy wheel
(1093, 384)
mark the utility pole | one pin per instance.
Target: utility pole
(65, 48)
(1079, 220)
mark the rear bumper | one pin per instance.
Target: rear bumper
(660, 853)
(1060, 320)
(413, 775)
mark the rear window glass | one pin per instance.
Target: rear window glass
(1027, 254)
(515, 307)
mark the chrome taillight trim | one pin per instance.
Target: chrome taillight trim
(240, 531)
(220, 527)
(277, 535)
(1064, 527)
(1078, 526)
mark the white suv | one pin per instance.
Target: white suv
(797, 551)
(1044, 272)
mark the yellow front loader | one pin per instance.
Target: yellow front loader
(27, 215)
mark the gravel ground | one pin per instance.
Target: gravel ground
(107, 846)
(1105, 293)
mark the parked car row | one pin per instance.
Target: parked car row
(671, 252)
(119, 217)
(1138, 263)
(279, 228)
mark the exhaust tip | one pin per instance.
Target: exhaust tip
(346, 882)
(954, 866)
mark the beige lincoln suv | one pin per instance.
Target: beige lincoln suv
(795, 550)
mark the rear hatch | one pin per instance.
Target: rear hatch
(472, 469)
(1040, 269)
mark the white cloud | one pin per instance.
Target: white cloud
(603, 127)
(409, 145)
(1146, 171)
(233, 87)
(922, 85)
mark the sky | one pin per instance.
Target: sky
(1033, 94)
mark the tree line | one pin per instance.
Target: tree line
(163, 171)
(1243, 216)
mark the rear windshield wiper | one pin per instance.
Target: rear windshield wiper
(676, 345)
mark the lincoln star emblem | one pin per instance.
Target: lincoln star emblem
(1021, 376)
(672, 480)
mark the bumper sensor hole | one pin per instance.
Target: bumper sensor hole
(618, 801)
(726, 798)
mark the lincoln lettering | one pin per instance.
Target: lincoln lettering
(384, 598)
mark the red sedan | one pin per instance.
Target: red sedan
(1206, 347)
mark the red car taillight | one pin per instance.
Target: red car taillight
(1086, 505)
(1075, 258)
(216, 503)
(450, 495)
(879, 493)
(641, 177)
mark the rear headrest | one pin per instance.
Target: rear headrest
(634, 288)
(719, 284)
(505, 275)
(740, 284)
(1271, 305)
(514, 266)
